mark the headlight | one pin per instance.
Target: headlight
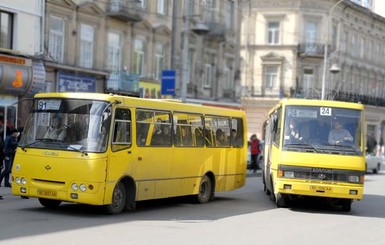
(82, 187)
(288, 174)
(23, 181)
(75, 187)
(17, 180)
(354, 179)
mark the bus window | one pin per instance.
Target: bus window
(153, 128)
(237, 132)
(188, 129)
(122, 129)
(218, 134)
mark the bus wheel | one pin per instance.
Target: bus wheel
(119, 199)
(346, 205)
(205, 190)
(280, 200)
(49, 203)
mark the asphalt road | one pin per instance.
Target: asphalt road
(244, 216)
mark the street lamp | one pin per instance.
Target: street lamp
(199, 28)
(326, 49)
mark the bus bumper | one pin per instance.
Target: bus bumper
(348, 191)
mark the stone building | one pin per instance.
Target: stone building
(283, 55)
(22, 73)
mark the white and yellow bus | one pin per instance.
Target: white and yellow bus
(118, 150)
(302, 156)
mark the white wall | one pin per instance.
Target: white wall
(27, 24)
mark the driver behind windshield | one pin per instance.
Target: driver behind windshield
(338, 134)
(55, 131)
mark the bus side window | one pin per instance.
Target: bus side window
(199, 140)
(122, 129)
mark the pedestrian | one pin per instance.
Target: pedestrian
(10, 145)
(255, 150)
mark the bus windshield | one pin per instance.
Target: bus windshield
(323, 129)
(67, 124)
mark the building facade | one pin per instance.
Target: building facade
(283, 51)
(122, 46)
(22, 73)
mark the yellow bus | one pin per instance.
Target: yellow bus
(113, 150)
(314, 148)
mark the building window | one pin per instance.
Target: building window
(228, 75)
(271, 77)
(334, 36)
(230, 14)
(353, 46)
(6, 24)
(208, 10)
(362, 48)
(308, 79)
(139, 56)
(311, 29)
(159, 59)
(273, 32)
(143, 4)
(191, 58)
(207, 76)
(162, 7)
(86, 45)
(114, 51)
(56, 38)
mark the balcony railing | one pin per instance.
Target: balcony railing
(340, 96)
(309, 49)
(125, 10)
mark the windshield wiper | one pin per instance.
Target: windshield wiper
(303, 145)
(350, 147)
(37, 141)
(77, 149)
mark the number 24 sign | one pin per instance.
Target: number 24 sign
(325, 111)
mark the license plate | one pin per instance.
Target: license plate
(47, 193)
(320, 188)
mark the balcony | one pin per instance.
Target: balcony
(125, 10)
(122, 82)
(228, 93)
(313, 50)
(217, 30)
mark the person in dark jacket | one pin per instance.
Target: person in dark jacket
(10, 145)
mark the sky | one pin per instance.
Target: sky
(380, 7)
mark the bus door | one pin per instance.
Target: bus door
(121, 144)
(154, 154)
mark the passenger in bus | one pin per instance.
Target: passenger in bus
(185, 135)
(157, 136)
(166, 135)
(339, 135)
(235, 138)
(220, 137)
(56, 131)
(199, 137)
(292, 132)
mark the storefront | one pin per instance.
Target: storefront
(20, 77)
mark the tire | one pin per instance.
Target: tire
(49, 203)
(205, 190)
(346, 205)
(377, 169)
(119, 200)
(280, 200)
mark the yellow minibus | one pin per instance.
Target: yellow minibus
(113, 150)
(314, 148)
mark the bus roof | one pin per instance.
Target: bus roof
(161, 104)
(325, 103)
